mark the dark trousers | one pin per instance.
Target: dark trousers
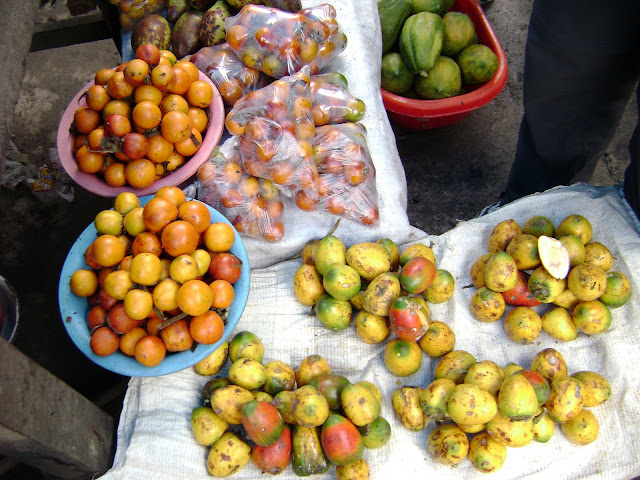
(582, 63)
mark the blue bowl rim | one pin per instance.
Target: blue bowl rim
(73, 311)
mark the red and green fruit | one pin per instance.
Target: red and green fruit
(417, 274)
(408, 319)
(341, 440)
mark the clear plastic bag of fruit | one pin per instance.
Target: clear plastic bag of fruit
(232, 77)
(253, 205)
(276, 129)
(280, 43)
(331, 101)
(132, 11)
(347, 176)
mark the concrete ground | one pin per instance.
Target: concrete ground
(452, 173)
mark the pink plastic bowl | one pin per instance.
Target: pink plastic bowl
(96, 185)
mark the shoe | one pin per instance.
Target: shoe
(490, 208)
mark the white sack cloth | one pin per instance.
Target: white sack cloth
(154, 436)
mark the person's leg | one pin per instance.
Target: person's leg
(632, 174)
(581, 64)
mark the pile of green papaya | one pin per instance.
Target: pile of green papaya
(272, 415)
(501, 407)
(430, 52)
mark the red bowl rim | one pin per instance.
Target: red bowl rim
(466, 102)
(96, 185)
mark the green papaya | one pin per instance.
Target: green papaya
(421, 41)
(393, 14)
(395, 76)
(433, 6)
(443, 80)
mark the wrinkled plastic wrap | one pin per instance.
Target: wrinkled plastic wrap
(253, 205)
(280, 43)
(331, 101)
(276, 130)
(346, 174)
(232, 78)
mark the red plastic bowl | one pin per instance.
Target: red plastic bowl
(96, 185)
(428, 114)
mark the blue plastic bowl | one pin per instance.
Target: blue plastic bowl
(74, 309)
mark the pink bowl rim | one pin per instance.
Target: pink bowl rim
(96, 185)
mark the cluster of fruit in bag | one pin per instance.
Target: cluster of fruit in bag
(321, 166)
(280, 43)
(252, 204)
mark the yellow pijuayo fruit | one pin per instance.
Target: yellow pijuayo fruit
(207, 427)
(227, 403)
(309, 367)
(487, 375)
(359, 404)
(228, 455)
(247, 373)
(434, 398)
(406, 405)
(587, 281)
(246, 345)
(454, 365)
(618, 291)
(417, 250)
(502, 234)
(543, 427)
(574, 246)
(439, 339)
(307, 285)
(565, 399)
(517, 398)
(582, 429)
(598, 254)
(487, 305)
(486, 454)
(448, 444)
(309, 408)
(371, 329)
(510, 433)
(470, 405)
(539, 225)
(550, 364)
(368, 259)
(442, 287)
(477, 270)
(501, 272)
(544, 287)
(380, 294)
(577, 225)
(330, 251)
(342, 282)
(558, 323)
(522, 325)
(524, 250)
(595, 388)
(592, 317)
(278, 376)
(402, 358)
(213, 363)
